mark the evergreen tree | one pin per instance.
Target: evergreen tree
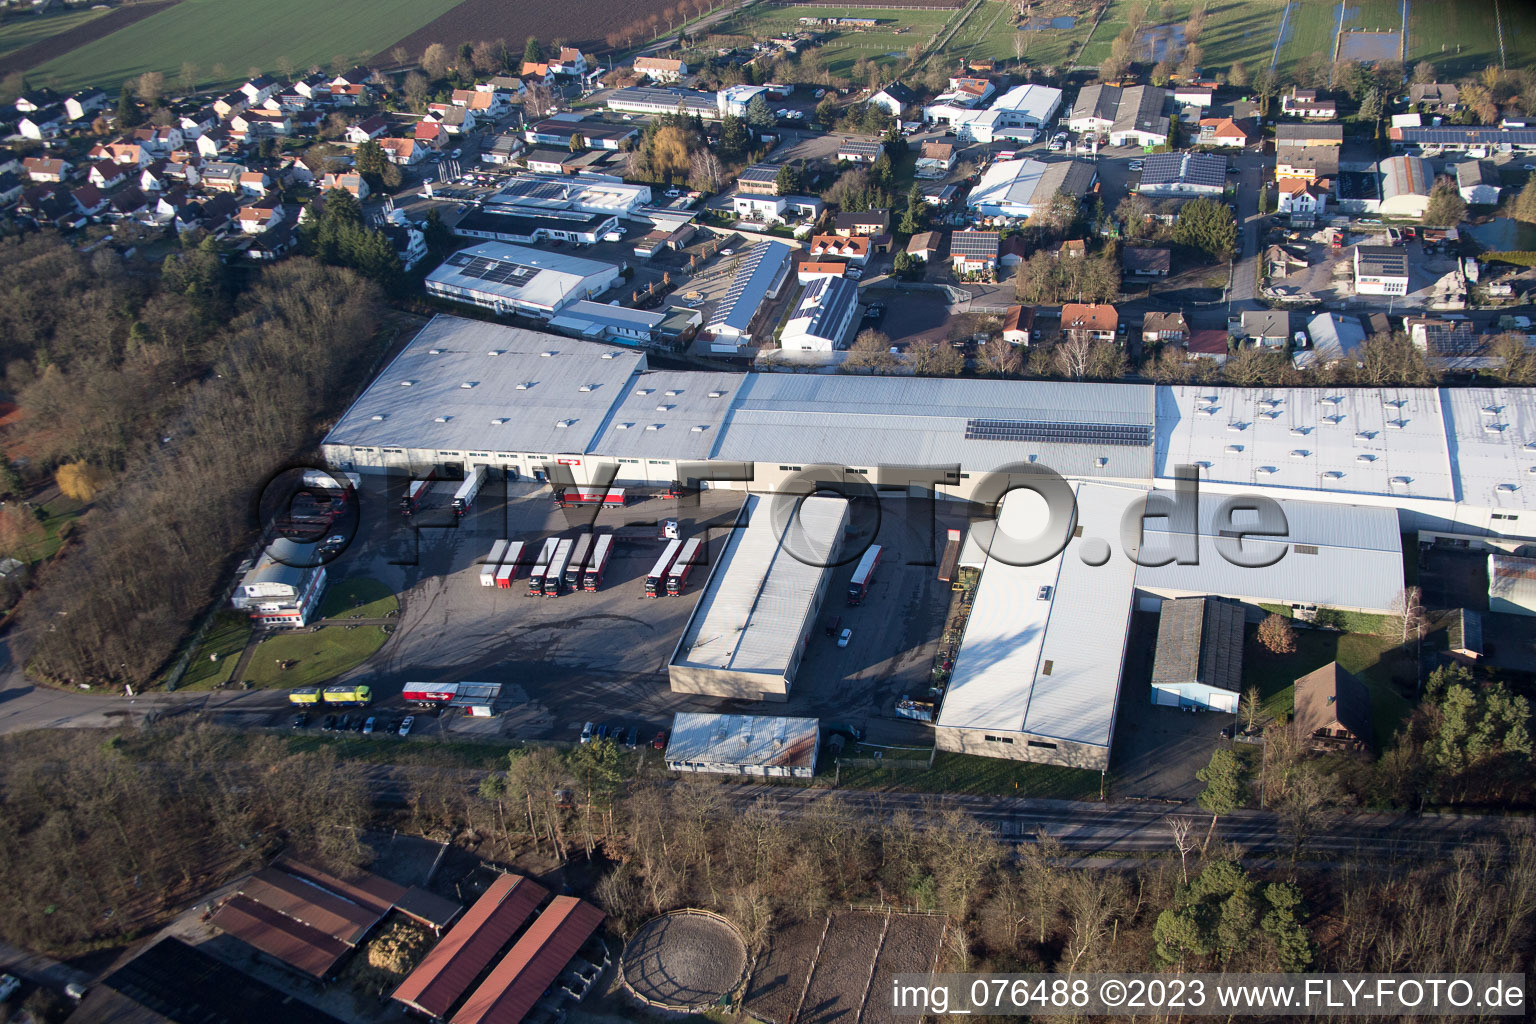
(1207, 225)
(370, 161)
(758, 115)
(788, 182)
(128, 113)
(734, 140)
(916, 217)
(533, 53)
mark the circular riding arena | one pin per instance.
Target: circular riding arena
(684, 960)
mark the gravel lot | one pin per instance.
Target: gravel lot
(779, 975)
(911, 943)
(842, 972)
(684, 960)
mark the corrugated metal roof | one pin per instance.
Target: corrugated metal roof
(752, 615)
(763, 266)
(309, 904)
(428, 908)
(743, 739)
(675, 402)
(1199, 640)
(447, 971)
(296, 944)
(537, 959)
(1001, 681)
(1342, 556)
(371, 891)
(421, 400)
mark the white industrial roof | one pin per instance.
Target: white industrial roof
(1388, 441)
(592, 318)
(1492, 433)
(1036, 101)
(1000, 682)
(751, 617)
(1342, 556)
(1030, 183)
(743, 739)
(641, 428)
(870, 421)
(518, 273)
(420, 399)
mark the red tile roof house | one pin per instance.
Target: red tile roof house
(1096, 321)
(1207, 345)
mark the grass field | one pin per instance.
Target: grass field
(19, 32)
(59, 514)
(1463, 38)
(359, 598)
(1235, 30)
(1310, 30)
(226, 637)
(316, 657)
(884, 44)
(1375, 660)
(242, 35)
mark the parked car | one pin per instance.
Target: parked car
(602, 731)
(357, 724)
(631, 737)
(344, 724)
(328, 723)
(300, 720)
(406, 723)
(842, 641)
(660, 742)
(586, 733)
(9, 983)
(368, 726)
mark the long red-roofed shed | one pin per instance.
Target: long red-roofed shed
(538, 958)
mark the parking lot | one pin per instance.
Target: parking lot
(602, 656)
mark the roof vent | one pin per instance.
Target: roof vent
(653, 426)
(1267, 470)
(1234, 448)
(700, 428)
(673, 393)
(434, 351)
(644, 391)
(1364, 435)
(546, 354)
(1203, 464)
(1101, 462)
(406, 383)
(1403, 480)
(494, 352)
(1334, 474)
(1509, 488)
(1493, 409)
(499, 421)
(1271, 402)
(1396, 403)
(1209, 410)
(442, 419)
(1299, 431)
(1396, 424)
(1333, 399)
(1365, 458)
(1334, 419)
(1234, 425)
(587, 387)
(623, 426)
(664, 408)
(721, 394)
(524, 385)
(1494, 428)
(1299, 453)
(378, 417)
(609, 355)
(562, 424)
(469, 384)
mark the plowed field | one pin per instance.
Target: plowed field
(582, 25)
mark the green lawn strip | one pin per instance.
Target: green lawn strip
(227, 636)
(978, 776)
(358, 598)
(1385, 668)
(315, 658)
(58, 514)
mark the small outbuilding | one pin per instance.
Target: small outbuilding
(744, 745)
(1333, 709)
(1199, 659)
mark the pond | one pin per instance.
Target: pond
(1504, 234)
(1047, 24)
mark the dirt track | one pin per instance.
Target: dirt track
(44, 50)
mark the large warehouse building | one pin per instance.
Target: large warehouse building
(1022, 188)
(513, 279)
(749, 630)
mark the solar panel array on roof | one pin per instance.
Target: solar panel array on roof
(1471, 136)
(1190, 168)
(533, 188)
(495, 271)
(973, 243)
(1129, 435)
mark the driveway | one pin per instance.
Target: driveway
(1245, 271)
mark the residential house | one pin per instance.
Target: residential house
(973, 252)
(1226, 132)
(1072, 248)
(571, 61)
(196, 123)
(259, 89)
(212, 214)
(1309, 135)
(85, 103)
(1310, 163)
(552, 161)
(230, 104)
(852, 249)
(255, 183)
(484, 104)
(820, 322)
(1434, 97)
(503, 150)
(430, 133)
(807, 272)
(43, 124)
(1092, 321)
(1333, 339)
(1380, 270)
(1443, 341)
(46, 168)
(1019, 325)
(1164, 327)
(316, 88)
(935, 160)
(1131, 116)
(9, 162)
(357, 75)
(1265, 328)
(159, 140)
(894, 99)
(11, 187)
(767, 209)
(129, 204)
(924, 246)
(454, 119)
(406, 152)
(1192, 95)
(409, 242)
(868, 222)
(258, 123)
(50, 203)
(1014, 250)
(91, 200)
(1207, 344)
(1307, 103)
(1333, 709)
(1301, 197)
(217, 142)
(509, 84)
(287, 100)
(1144, 262)
(538, 73)
(171, 205)
(33, 100)
(368, 128)
(859, 151)
(1478, 183)
(260, 215)
(759, 180)
(350, 182)
(657, 69)
(152, 177)
(222, 177)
